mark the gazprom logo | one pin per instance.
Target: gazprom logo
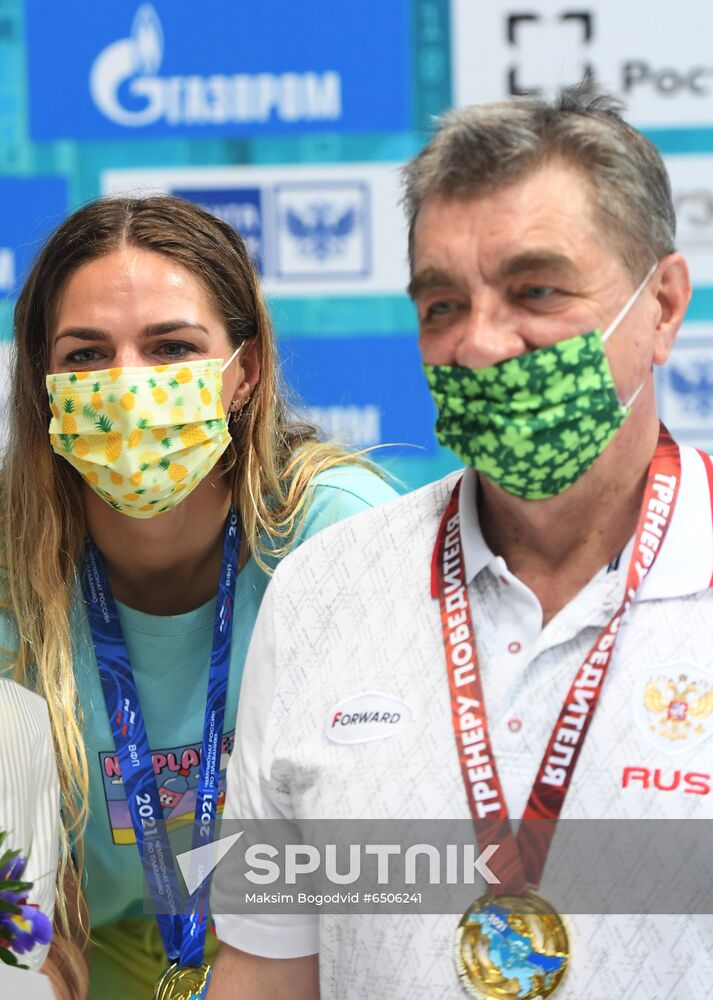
(126, 87)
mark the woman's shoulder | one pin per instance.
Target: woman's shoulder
(340, 492)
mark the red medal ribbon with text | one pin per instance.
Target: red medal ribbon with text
(520, 860)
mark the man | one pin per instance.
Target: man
(547, 289)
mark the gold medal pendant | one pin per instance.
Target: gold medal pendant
(513, 947)
(182, 983)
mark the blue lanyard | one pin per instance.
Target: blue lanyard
(183, 933)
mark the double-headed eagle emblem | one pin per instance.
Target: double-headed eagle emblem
(679, 706)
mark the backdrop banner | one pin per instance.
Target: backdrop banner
(224, 67)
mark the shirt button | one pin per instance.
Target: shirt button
(515, 725)
(514, 647)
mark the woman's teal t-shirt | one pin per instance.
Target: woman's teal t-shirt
(170, 656)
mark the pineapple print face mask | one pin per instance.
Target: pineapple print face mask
(143, 438)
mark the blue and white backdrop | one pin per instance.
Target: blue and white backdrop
(291, 121)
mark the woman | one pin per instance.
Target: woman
(130, 501)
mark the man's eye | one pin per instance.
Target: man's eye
(441, 308)
(538, 292)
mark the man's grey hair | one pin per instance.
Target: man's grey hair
(478, 149)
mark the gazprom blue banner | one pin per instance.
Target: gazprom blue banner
(362, 390)
(30, 207)
(219, 67)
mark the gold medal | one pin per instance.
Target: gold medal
(182, 983)
(513, 947)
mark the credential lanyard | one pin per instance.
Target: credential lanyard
(522, 858)
(183, 933)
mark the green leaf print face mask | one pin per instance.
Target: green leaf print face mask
(535, 423)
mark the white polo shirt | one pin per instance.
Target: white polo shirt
(351, 613)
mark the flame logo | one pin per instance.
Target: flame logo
(147, 37)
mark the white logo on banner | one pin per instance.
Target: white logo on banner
(313, 229)
(685, 388)
(692, 186)
(201, 100)
(358, 426)
(665, 77)
(7, 269)
(324, 230)
(536, 38)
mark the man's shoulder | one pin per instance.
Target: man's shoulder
(409, 520)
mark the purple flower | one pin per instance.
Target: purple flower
(13, 869)
(22, 924)
(25, 929)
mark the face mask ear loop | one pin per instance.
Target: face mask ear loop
(622, 312)
(627, 406)
(234, 355)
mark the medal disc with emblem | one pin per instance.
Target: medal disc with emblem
(183, 983)
(512, 947)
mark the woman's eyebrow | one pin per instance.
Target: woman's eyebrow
(170, 326)
(153, 330)
(82, 333)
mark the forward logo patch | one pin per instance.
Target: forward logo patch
(365, 717)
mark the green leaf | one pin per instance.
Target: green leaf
(104, 424)
(7, 907)
(8, 958)
(14, 885)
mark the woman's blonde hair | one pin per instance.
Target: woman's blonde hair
(269, 463)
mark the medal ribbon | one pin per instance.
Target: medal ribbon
(521, 860)
(183, 932)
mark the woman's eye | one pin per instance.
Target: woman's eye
(172, 349)
(82, 357)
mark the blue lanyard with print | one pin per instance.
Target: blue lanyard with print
(183, 933)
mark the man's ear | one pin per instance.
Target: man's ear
(673, 292)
